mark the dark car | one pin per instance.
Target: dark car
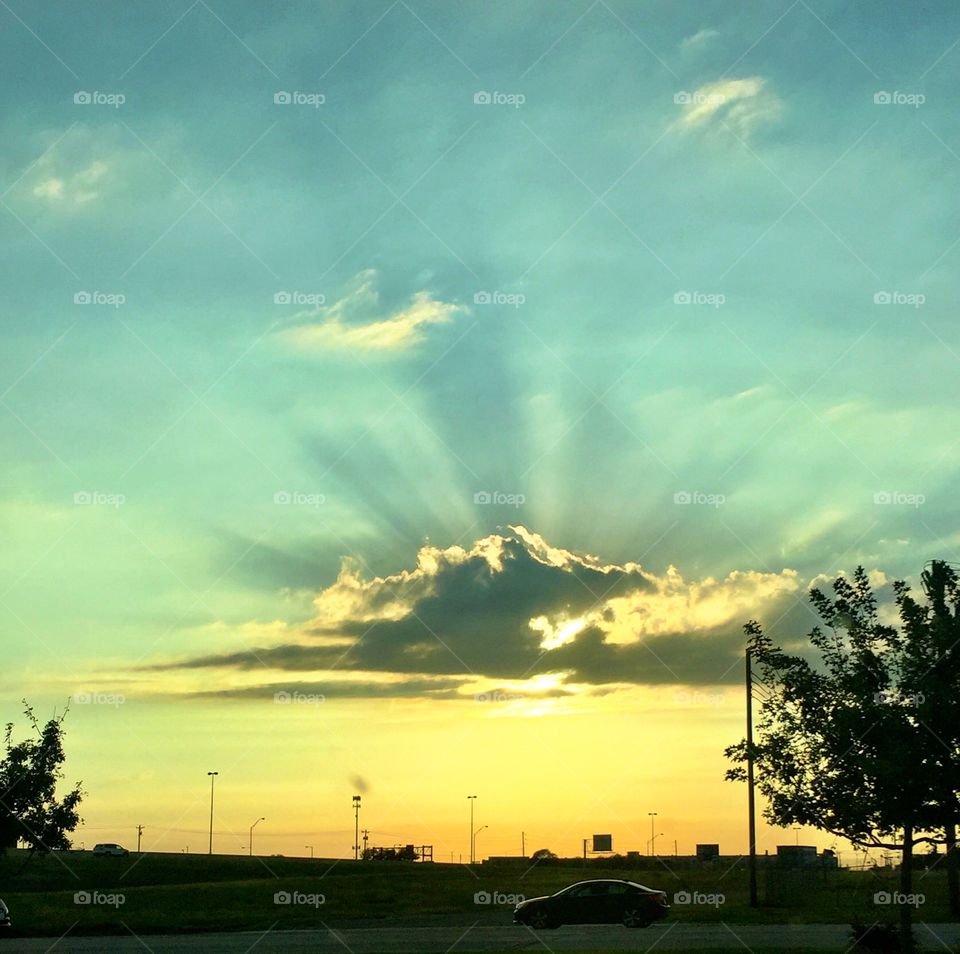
(4, 919)
(595, 902)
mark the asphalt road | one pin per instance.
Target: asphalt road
(421, 940)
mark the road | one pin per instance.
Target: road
(421, 940)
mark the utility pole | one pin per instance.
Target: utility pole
(213, 778)
(751, 806)
(139, 836)
(366, 832)
(472, 799)
(356, 827)
(523, 844)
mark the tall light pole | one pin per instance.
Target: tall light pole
(472, 799)
(356, 827)
(477, 832)
(311, 849)
(213, 778)
(254, 825)
(653, 837)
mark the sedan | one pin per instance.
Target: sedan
(595, 902)
(4, 919)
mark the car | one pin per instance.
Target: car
(110, 849)
(5, 925)
(595, 902)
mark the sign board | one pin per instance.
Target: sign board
(603, 842)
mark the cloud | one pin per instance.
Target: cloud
(57, 186)
(740, 104)
(698, 39)
(513, 607)
(355, 322)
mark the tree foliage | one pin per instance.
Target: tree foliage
(30, 811)
(865, 742)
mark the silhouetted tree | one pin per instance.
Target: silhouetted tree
(543, 854)
(844, 747)
(29, 772)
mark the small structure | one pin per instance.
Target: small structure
(399, 853)
(796, 856)
(707, 853)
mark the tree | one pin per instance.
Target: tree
(844, 747)
(543, 854)
(29, 772)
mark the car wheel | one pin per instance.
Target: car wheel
(541, 919)
(635, 918)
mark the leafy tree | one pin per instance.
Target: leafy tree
(850, 746)
(543, 854)
(29, 772)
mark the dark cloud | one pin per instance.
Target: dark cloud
(468, 614)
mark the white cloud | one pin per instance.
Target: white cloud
(698, 39)
(740, 104)
(355, 322)
(55, 185)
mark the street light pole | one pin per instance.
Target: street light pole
(477, 832)
(250, 842)
(653, 837)
(213, 777)
(356, 827)
(472, 799)
(311, 849)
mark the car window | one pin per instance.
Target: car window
(617, 888)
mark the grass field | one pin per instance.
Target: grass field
(172, 893)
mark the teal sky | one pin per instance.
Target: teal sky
(717, 266)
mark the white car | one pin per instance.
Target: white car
(110, 849)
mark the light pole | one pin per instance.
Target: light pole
(477, 832)
(311, 849)
(472, 799)
(653, 818)
(254, 825)
(356, 827)
(213, 778)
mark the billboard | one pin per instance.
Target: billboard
(603, 842)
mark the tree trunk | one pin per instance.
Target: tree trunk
(906, 892)
(953, 869)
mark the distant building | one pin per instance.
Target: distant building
(805, 856)
(708, 852)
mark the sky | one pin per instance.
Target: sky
(415, 399)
